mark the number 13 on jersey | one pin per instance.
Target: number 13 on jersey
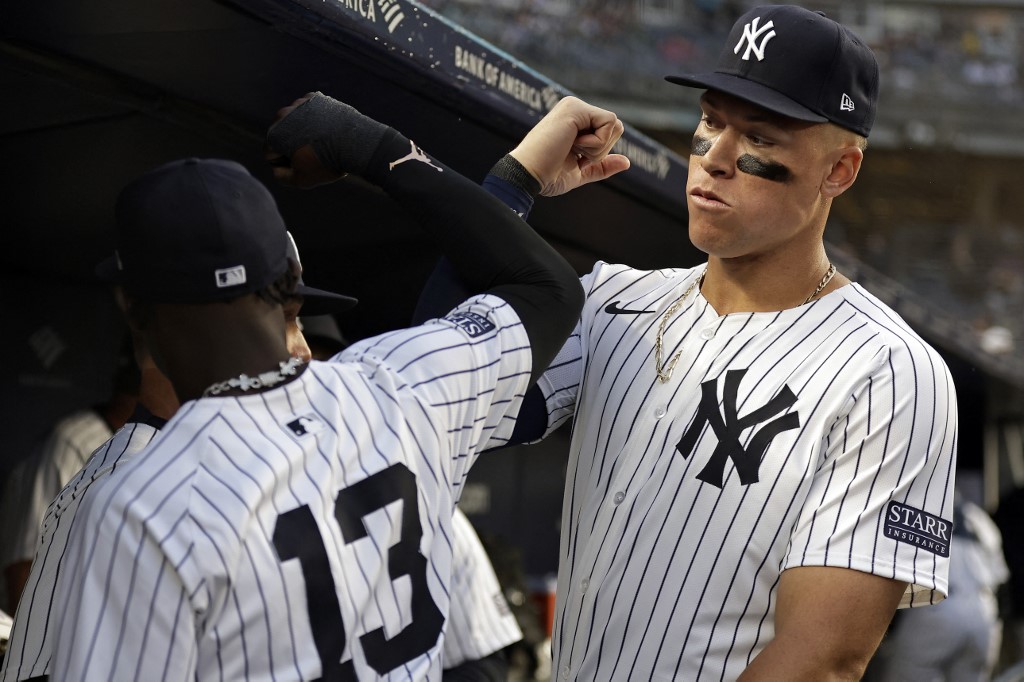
(296, 536)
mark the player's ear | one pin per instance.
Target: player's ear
(845, 166)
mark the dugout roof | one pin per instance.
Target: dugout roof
(97, 91)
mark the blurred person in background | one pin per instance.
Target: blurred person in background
(958, 639)
(36, 480)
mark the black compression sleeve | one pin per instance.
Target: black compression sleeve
(490, 247)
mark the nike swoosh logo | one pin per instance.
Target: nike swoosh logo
(614, 309)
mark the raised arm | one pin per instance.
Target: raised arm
(568, 148)
(318, 139)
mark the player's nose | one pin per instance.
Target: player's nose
(722, 152)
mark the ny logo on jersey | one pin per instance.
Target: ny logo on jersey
(728, 426)
(305, 425)
(752, 33)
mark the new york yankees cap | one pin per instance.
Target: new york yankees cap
(201, 231)
(799, 64)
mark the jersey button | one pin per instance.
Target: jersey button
(619, 497)
(659, 412)
(565, 673)
(584, 584)
(707, 334)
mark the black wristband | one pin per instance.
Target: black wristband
(514, 173)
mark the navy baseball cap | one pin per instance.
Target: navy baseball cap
(201, 231)
(799, 64)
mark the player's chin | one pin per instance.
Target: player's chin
(711, 239)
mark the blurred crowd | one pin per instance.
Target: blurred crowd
(957, 53)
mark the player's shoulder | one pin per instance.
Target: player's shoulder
(82, 427)
(484, 322)
(901, 345)
(126, 442)
(610, 280)
(140, 462)
(84, 420)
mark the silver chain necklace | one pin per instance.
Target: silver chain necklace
(665, 370)
(244, 382)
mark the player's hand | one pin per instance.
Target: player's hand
(571, 147)
(317, 139)
(302, 168)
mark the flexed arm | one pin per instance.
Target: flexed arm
(318, 139)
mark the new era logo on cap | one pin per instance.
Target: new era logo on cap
(846, 104)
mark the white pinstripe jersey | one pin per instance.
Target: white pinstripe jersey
(299, 533)
(480, 621)
(30, 649)
(823, 435)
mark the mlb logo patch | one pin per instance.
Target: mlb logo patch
(471, 323)
(306, 425)
(912, 526)
(230, 277)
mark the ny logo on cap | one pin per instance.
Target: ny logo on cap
(229, 277)
(751, 34)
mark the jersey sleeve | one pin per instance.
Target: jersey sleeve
(881, 500)
(469, 368)
(560, 383)
(127, 613)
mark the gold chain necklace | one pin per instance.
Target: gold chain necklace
(665, 370)
(829, 274)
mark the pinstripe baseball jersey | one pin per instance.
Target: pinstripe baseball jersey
(298, 533)
(480, 621)
(30, 649)
(822, 435)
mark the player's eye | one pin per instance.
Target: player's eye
(709, 122)
(759, 140)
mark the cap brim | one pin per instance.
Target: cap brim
(320, 302)
(749, 91)
(107, 271)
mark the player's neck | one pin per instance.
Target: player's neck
(767, 285)
(207, 344)
(156, 393)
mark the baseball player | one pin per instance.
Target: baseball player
(293, 520)
(30, 650)
(763, 453)
(480, 623)
(40, 476)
